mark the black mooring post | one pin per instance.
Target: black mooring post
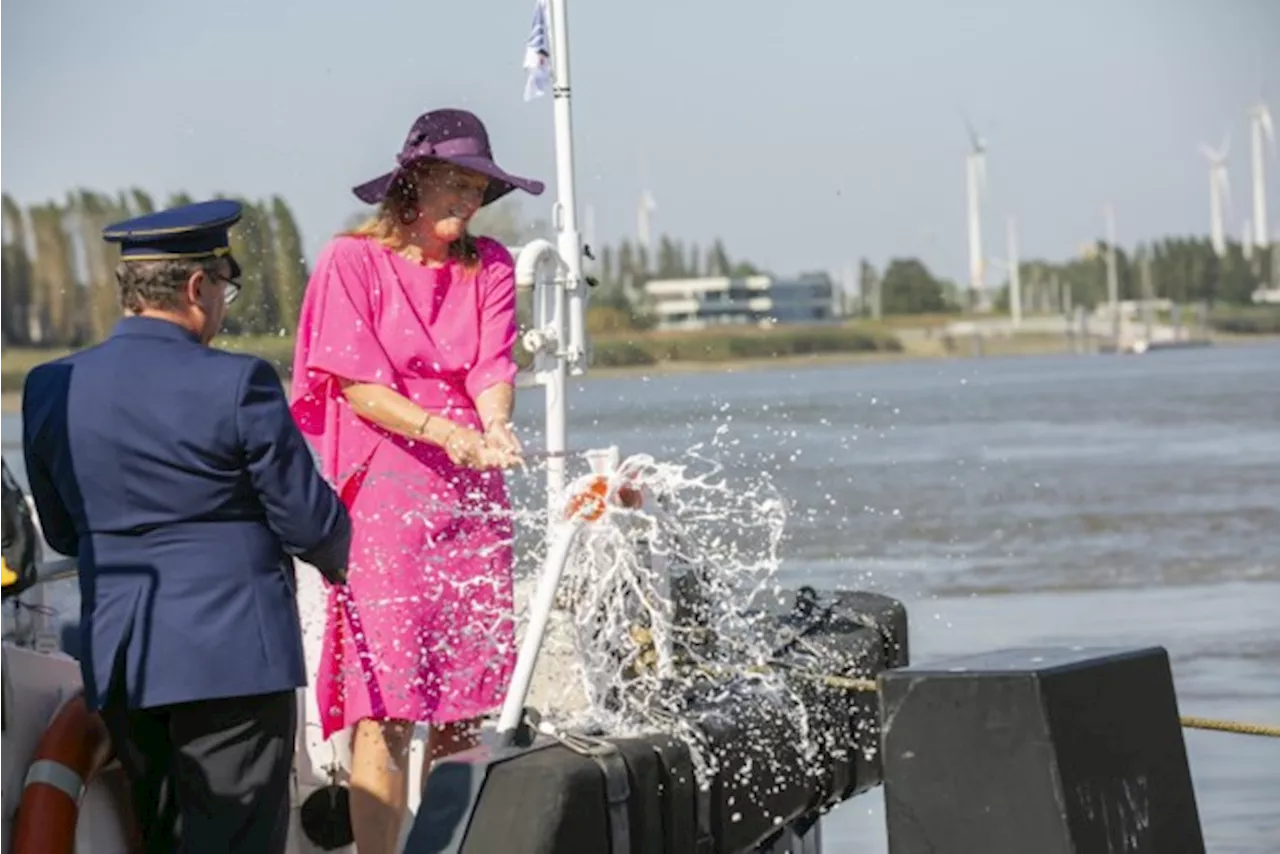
(1037, 751)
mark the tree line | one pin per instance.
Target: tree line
(59, 285)
(1182, 269)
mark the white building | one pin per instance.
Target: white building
(1267, 295)
(755, 300)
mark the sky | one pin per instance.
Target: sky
(807, 135)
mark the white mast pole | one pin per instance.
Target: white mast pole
(569, 239)
(561, 339)
(570, 356)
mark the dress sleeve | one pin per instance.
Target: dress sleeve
(337, 327)
(338, 339)
(497, 334)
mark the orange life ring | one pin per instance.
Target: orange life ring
(73, 749)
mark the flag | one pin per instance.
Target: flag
(537, 54)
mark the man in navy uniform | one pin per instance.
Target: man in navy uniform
(176, 476)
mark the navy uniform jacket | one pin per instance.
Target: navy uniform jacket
(176, 476)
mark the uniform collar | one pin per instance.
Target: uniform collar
(152, 327)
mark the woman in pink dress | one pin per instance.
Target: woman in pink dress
(403, 381)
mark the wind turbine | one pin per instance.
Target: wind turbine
(645, 213)
(1015, 276)
(1113, 282)
(1219, 193)
(976, 181)
(1261, 128)
(644, 225)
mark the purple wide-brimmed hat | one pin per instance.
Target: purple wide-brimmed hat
(450, 136)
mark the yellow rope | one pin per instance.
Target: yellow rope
(1231, 726)
(844, 683)
(851, 683)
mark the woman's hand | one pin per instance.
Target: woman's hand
(501, 437)
(468, 448)
(465, 448)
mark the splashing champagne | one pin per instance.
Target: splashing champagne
(665, 594)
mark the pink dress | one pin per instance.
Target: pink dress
(431, 553)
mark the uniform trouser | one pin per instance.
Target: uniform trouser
(210, 776)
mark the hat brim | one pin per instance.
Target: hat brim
(500, 182)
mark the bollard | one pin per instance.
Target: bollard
(1052, 751)
(575, 793)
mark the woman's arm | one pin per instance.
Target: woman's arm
(391, 410)
(494, 404)
(491, 380)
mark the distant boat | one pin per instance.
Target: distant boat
(1142, 345)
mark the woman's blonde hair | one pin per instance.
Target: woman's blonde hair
(391, 224)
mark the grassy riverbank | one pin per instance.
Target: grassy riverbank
(648, 350)
(655, 349)
(627, 352)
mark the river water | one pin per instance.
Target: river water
(1049, 500)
